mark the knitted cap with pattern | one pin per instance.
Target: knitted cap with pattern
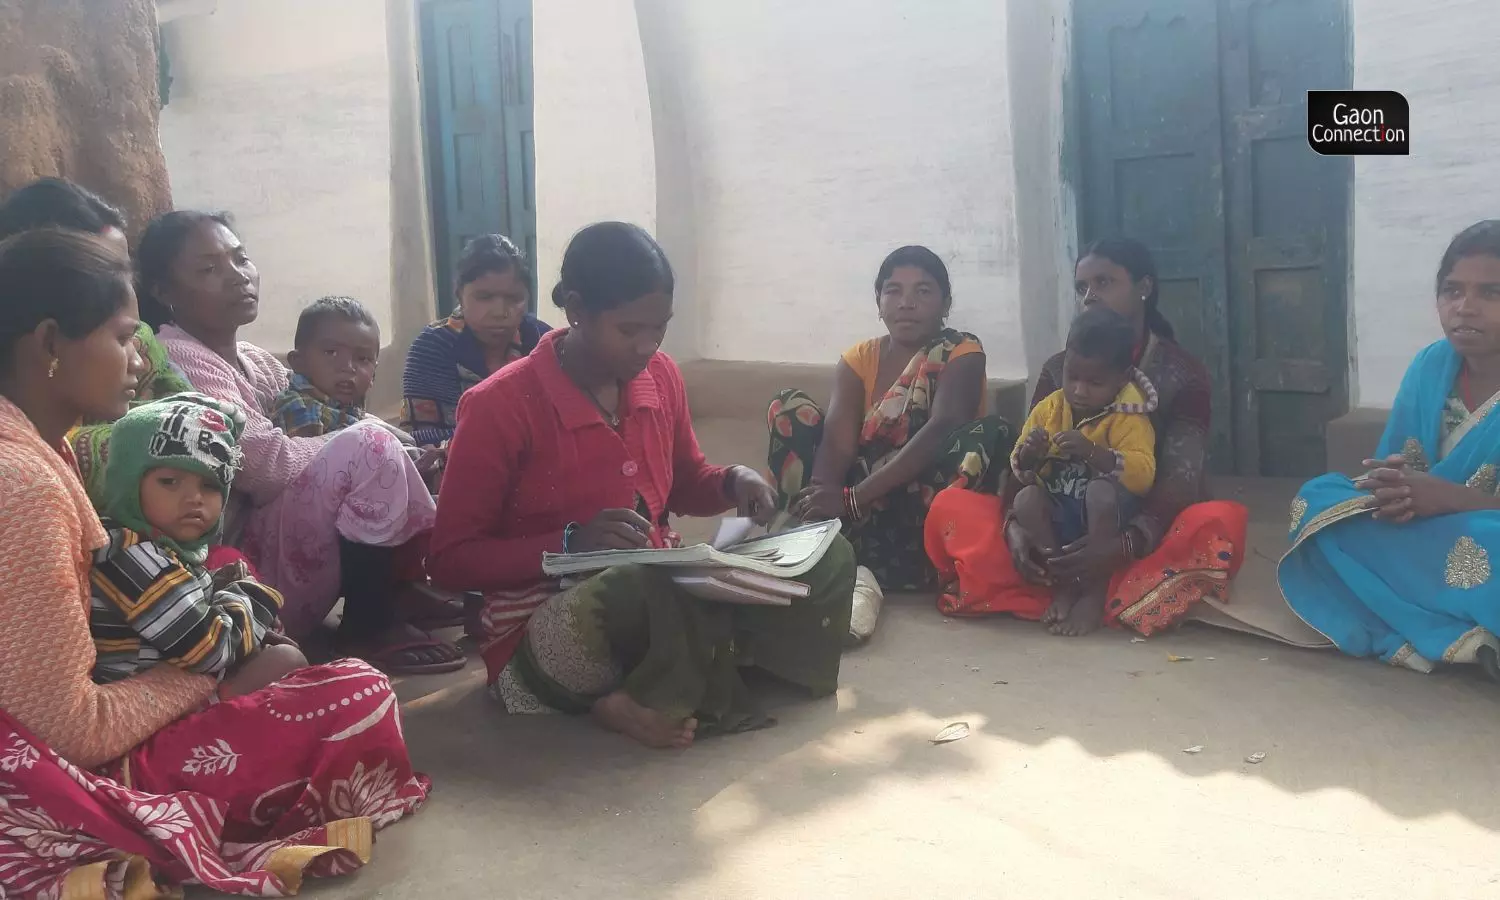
(188, 432)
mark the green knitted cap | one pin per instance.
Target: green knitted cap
(188, 432)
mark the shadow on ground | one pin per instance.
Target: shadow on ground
(1074, 781)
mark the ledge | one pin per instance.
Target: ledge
(726, 389)
(1352, 438)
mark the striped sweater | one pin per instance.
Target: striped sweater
(149, 607)
(444, 361)
(48, 532)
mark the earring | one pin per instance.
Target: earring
(52, 369)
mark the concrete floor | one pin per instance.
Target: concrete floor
(1376, 782)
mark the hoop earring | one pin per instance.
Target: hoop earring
(52, 369)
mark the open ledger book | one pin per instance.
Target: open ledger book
(738, 567)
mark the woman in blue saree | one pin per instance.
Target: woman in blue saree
(1397, 563)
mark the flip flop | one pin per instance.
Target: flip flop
(435, 608)
(384, 658)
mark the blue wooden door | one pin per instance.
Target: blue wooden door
(1154, 163)
(477, 81)
(1287, 223)
(1193, 141)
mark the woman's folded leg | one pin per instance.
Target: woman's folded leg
(363, 488)
(631, 638)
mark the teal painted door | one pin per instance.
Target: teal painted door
(1193, 123)
(477, 94)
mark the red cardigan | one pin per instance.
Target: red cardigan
(532, 454)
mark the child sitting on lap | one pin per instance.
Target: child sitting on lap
(336, 350)
(171, 463)
(1087, 457)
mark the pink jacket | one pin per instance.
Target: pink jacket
(272, 458)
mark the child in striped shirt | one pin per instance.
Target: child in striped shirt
(171, 463)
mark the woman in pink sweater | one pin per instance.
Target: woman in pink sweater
(104, 787)
(321, 517)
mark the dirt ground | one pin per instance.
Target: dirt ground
(1376, 782)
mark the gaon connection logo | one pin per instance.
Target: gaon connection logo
(1358, 123)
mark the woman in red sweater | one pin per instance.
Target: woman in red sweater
(586, 444)
(121, 784)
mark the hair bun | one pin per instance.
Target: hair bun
(508, 247)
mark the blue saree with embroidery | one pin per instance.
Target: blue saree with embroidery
(1417, 593)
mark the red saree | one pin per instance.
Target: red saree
(1196, 558)
(247, 797)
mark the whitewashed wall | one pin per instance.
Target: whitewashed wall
(280, 113)
(1439, 54)
(817, 138)
(594, 151)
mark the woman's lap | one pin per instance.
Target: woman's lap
(246, 796)
(1200, 553)
(1411, 594)
(631, 629)
(362, 487)
(889, 540)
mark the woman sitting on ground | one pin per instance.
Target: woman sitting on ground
(587, 445)
(490, 328)
(1176, 550)
(53, 202)
(1396, 564)
(903, 424)
(140, 778)
(328, 514)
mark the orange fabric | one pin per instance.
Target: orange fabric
(864, 359)
(1201, 552)
(48, 530)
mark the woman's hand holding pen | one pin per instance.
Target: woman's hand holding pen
(613, 529)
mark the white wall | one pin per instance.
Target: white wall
(1039, 51)
(820, 136)
(594, 150)
(1440, 55)
(280, 113)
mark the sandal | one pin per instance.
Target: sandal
(389, 658)
(430, 608)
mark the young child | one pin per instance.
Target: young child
(1087, 457)
(171, 463)
(337, 346)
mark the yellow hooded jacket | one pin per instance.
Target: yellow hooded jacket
(1124, 427)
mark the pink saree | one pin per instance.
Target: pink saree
(250, 796)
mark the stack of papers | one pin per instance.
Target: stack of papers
(738, 567)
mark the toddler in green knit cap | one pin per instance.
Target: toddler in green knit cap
(171, 464)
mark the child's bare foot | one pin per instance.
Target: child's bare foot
(1063, 598)
(618, 712)
(1086, 615)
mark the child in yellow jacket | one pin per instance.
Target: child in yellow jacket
(1087, 457)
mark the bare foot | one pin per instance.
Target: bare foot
(1086, 615)
(618, 712)
(1063, 598)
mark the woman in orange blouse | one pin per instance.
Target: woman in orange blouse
(141, 778)
(905, 421)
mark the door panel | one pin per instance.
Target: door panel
(1287, 226)
(476, 73)
(1193, 118)
(520, 143)
(1153, 163)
